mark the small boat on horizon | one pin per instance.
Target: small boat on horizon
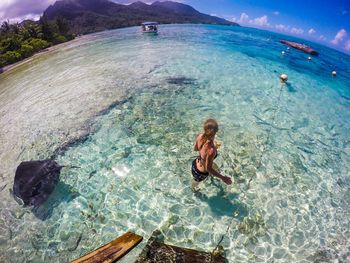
(150, 27)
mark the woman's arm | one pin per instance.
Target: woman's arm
(196, 142)
(209, 167)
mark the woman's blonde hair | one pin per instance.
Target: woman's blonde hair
(210, 129)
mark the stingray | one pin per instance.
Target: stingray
(35, 181)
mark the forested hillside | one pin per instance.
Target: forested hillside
(21, 40)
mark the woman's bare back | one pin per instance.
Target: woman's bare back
(206, 150)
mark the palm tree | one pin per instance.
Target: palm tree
(5, 27)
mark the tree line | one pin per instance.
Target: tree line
(22, 40)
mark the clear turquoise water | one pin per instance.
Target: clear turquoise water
(291, 142)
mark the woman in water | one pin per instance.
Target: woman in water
(202, 166)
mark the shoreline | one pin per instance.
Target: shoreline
(24, 61)
(48, 50)
(17, 64)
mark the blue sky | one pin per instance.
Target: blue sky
(323, 21)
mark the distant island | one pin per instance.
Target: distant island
(66, 19)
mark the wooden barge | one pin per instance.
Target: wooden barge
(301, 47)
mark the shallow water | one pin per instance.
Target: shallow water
(140, 101)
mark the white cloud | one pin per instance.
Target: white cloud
(288, 29)
(261, 21)
(322, 37)
(311, 31)
(243, 19)
(296, 31)
(6, 3)
(347, 45)
(34, 17)
(213, 14)
(276, 13)
(282, 27)
(16, 9)
(339, 37)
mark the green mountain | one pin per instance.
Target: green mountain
(87, 16)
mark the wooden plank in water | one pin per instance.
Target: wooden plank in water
(156, 252)
(112, 251)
